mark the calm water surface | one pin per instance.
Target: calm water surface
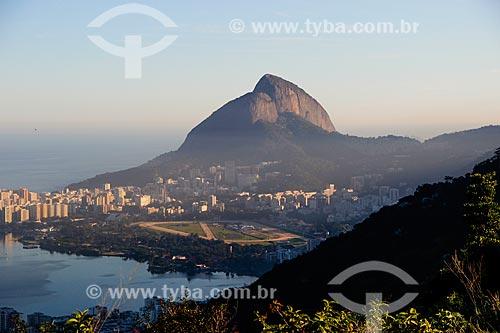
(35, 280)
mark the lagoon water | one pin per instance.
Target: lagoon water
(35, 280)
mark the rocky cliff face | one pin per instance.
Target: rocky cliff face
(288, 97)
(271, 98)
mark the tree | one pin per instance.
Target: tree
(482, 213)
(48, 327)
(285, 319)
(19, 326)
(188, 316)
(81, 322)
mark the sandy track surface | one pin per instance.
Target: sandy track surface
(208, 232)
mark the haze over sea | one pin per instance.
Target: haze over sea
(46, 161)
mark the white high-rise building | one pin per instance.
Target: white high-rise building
(142, 200)
(57, 210)
(35, 212)
(65, 210)
(394, 194)
(6, 214)
(212, 201)
(383, 191)
(45, 211)
(23, 215)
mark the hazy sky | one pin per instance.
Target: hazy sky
(444, 78)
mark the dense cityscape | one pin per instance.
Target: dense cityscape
(215, 194)
(216, 190)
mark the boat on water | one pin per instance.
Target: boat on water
(30, 247)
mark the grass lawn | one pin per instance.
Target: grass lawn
(225, 234)
(189, 227)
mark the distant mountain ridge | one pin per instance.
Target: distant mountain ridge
(279, 121)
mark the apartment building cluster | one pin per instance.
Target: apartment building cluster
(23, 205)
(287, 200)
(195, 182)
(115, 321)
(9, 320)
(344, 205)
(366, 195)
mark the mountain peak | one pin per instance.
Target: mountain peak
(271, 99)
(271, 81)
(288, 97)
(242, 121)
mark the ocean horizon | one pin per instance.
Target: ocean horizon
(50, 162)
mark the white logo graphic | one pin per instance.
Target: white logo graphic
(132, 51)
(93, 291)
(237, 26)
(373, 309)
